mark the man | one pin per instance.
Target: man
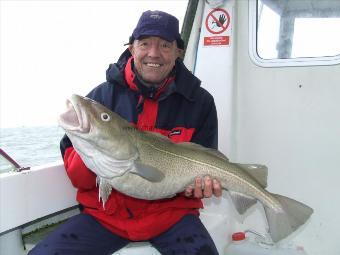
(150, 87)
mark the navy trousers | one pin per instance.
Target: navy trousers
(83, 235)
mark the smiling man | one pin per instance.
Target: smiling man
(151, 88)
(154, 58)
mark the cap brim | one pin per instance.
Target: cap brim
(161, 35)
(180, 42)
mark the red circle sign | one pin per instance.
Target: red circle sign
(217, 21)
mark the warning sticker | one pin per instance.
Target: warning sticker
(216, 40)
(217, 23)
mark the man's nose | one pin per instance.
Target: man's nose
(154, 50)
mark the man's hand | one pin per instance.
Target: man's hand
(205, 187)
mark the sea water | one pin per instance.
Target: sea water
(32, 146)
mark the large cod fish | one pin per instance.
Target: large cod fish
(149, 166)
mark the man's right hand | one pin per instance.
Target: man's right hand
(204, 188)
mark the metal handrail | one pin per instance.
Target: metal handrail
(18, 168)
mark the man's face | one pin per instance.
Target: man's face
(154, 58)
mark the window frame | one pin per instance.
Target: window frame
(301, 61)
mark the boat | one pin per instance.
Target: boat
(276, 89)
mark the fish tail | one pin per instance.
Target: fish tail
(283, 223)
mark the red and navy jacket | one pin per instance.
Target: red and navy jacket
(179, 109)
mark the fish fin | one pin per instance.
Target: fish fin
(147, 172)
(258, 172)
(195, 146)
(188, 145)
(283, 223)
(105, 189)
(241, 201)
(159, 136)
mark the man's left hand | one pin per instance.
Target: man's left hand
(204, 188)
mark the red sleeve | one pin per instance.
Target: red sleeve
(80, 176)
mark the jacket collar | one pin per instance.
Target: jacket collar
(135, 83)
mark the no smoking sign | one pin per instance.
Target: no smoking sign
(217, 23)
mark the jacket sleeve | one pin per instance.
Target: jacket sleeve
(207, 132)
(80, 176)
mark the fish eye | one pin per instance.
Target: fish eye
(105, 116)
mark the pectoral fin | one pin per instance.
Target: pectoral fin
(147, 172)
(242, 202)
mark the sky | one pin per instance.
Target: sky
(50, 50)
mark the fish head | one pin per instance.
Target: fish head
(96, 131)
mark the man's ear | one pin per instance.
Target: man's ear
(131, 49)
(180, 53)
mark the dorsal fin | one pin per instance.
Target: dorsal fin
(195, 146)
(258, 172)
(155, 135)
(188, 145)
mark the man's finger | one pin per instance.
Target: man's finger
(217, 188)
(208, 187)
(198, 188)
(189, 191)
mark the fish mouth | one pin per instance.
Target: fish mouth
(74, 119)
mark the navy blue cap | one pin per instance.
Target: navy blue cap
(157, 23)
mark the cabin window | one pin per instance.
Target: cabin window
(286, 32)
